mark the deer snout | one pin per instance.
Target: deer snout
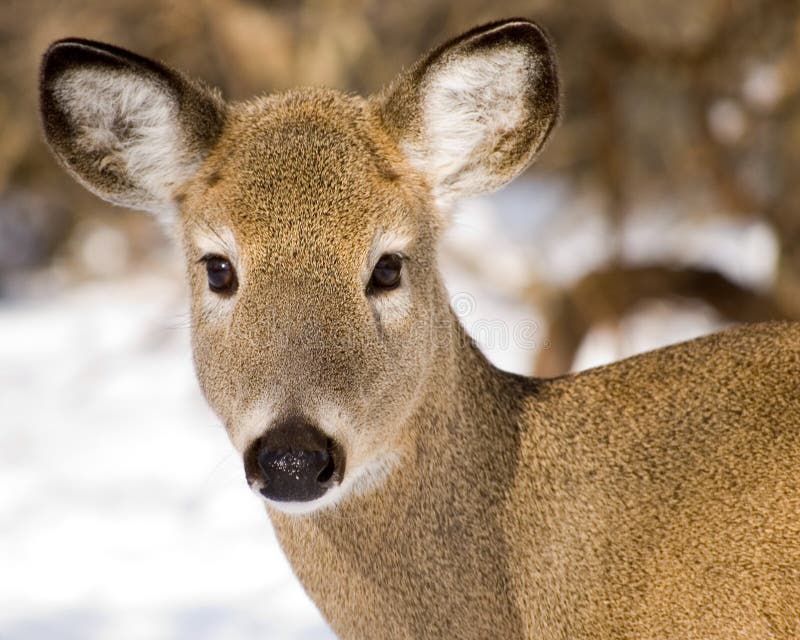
(294, 461)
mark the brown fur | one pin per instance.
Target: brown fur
(658, 497)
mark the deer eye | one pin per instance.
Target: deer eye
(386, 274)
(221, 274)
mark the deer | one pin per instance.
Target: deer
(417, 490)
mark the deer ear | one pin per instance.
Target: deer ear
(129, 129)
(472, 114)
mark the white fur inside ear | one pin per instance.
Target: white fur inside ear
(468, 105)
(134, 124)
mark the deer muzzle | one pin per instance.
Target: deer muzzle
(294, 461)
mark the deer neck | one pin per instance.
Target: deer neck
(428, 541)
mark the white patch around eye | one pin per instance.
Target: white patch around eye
(393, 306)
(134, 123)
(386, 241)
(390, 306)
(217, 241)
(468, 105)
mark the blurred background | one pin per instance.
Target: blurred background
(666, 205)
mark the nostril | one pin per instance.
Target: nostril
(327, 471)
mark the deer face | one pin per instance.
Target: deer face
(309, 223)
(314, 292)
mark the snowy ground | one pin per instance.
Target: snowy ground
(123, 509)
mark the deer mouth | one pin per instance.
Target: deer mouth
(294, 462)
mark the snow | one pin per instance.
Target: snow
(124, 512)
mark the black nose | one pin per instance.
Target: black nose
(294, 461)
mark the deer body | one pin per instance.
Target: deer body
(418, 491)
(645, 518)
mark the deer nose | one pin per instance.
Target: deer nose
(293, 462)
(293, 475)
